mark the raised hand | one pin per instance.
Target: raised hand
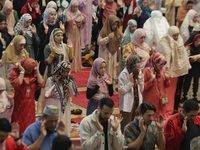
(153, 47)
(11, 94)
(109, 80)
(43, 128)
(153, 75)
(29, 7)
(142, 125)
(160, 123)
(167, 73)
(15, 130)
(37, 66)
(141, 76)
(62, 27)
(111, 35)
(69, 43)
(115, 123)
(37, 8)
(52, 47)
(21, 68)
(46, 28)
(59, 12)
(184, 126)
(99, 126)
(131, 77)
(33, 30)
(60, 128)
(98, 82)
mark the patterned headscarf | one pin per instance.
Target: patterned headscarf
(20, 25)
(46, 16)
(131, 61)
(127, 33)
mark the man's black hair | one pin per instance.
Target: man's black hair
(146, 106)
(5, 125)
(190, 105)
(106, 101)
(61, 142)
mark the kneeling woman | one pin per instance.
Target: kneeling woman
(58, 89)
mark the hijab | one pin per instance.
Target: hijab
(10, 19)
(2, 95)
(190, 43)
(4, 36)
(131, 61)
(20, 25)
(145, 10)
(28, 64)
(51, 4)
(94, 73)
(46, 16)
(109, 9)
(25, 9)
(128, 35)
(11, 55)
(155, 27)
(60, 47)
(174, 52)
(184, 27)
(113, 43)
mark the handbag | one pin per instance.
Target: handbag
(163, 100)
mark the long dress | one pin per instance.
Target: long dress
(52, 97)
(154, 90)
(24, 108)
(86, 8)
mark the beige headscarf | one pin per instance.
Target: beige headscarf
(175, 53)
(2, 95)
(11, 55)
(113, 43)
(10, 19)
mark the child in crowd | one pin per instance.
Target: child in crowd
(87, 56)
(58, 90)
(99, 85)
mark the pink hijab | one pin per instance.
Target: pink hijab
(69, 9)
(92, 81)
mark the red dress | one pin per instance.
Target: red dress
(127, 17)
(24, 100)
(151, 91)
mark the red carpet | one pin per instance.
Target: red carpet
(82, 101)
(82, 77)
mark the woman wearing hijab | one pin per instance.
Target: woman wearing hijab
(193, 49)
(58, 90)
(130, 88)
(156, 80)
(99, 85)
(56, 51)
(75, 21)
(183, 10)
(5, 37)
(131, 5)
(13, 54)
(11, 16)
(188, 24)
(26, 79)
(43, 4)
(172, 47)
(60, 16)
(109, 41)
(139, 47)
(128, 36)
(32, 7)
(6, 101)
(44, 31)
(24, 27)
(155, 27)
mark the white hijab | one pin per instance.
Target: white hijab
(51, 4)
(184, 27)
(155, 27)
(46, 16)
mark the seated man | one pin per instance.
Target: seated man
(13, 142)
(195, 143)
(182, 127)
(100, 130)
(143, 133)
(40, 134)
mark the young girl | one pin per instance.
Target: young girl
(75, 22)
(156, 80)
(25, 28)
(99, 85)
(193, 49)
(58, 90)
(128, 36)
(6, 101)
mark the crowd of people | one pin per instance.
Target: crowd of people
(146, 51)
